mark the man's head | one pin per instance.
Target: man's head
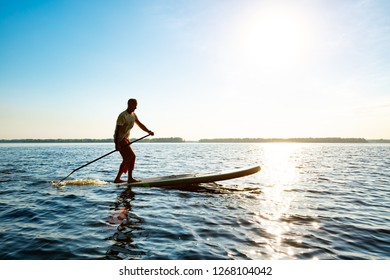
(132, 104)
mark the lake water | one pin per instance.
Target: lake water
(309, 201)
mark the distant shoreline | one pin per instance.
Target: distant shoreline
(215, 140)
(294, 140)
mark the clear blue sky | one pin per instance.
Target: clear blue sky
(199, 69)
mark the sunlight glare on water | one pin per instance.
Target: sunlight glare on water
(280, 175)
(279, 164)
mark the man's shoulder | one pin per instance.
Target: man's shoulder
(121, 118)
(123, 113)
(127, 116)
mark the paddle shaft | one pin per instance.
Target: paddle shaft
(101, 158)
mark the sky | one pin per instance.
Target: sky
(198, 68)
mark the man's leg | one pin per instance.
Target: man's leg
(125, 151)
(122, 169)
(130, 165)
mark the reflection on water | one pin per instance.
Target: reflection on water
(280, 175)
(128, 225)
(279, 162)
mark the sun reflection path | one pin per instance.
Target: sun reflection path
(279, 161)
(279, 176)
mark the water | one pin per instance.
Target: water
(310, 201)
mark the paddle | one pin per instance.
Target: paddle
(100, 158)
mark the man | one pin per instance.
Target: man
(124, 124)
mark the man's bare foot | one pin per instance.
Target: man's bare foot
(132, 180)
(118, 181)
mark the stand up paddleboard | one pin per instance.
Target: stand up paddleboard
(191, 179)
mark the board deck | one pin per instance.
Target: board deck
(197, 178)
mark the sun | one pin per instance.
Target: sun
(275, 38)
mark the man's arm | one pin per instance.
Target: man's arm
(143, 127)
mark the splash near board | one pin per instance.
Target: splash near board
(79, 182)
(196, 178)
